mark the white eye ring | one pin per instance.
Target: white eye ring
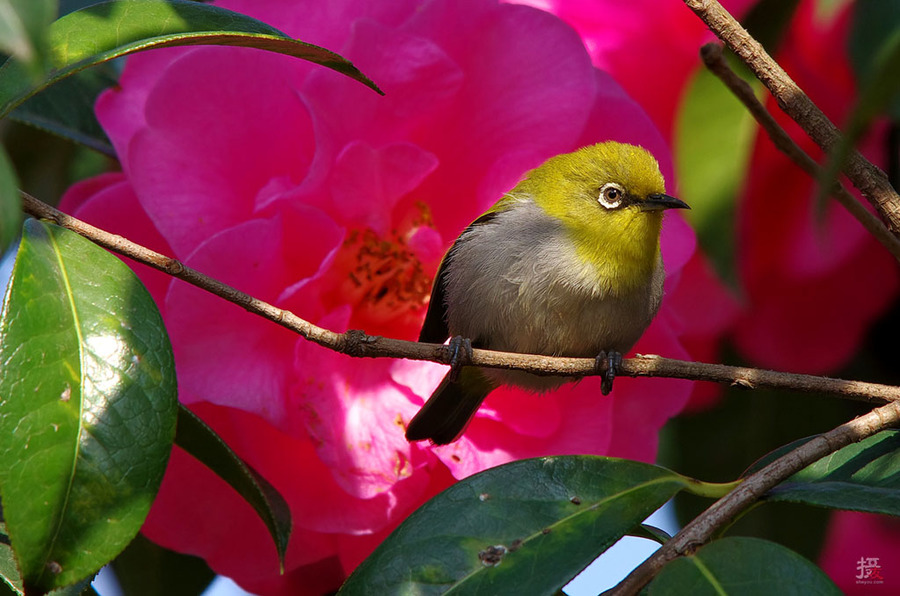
(611, 195)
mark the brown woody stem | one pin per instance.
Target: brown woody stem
(715, 61)
(359, 344)
(868, 178)
(701, 528)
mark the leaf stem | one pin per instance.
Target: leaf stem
(712, 490)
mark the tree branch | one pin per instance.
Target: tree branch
(359, 344)
(868, 178)
(715, 62)
(701, 528)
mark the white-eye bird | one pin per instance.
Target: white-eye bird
(565, 264)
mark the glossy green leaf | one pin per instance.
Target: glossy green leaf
(11, 581)
(10, 203)
(66, 108)
(88, 408)
(713, 139)
(864, 476)
(650, 533)
(742, 566)
(9, 573)
(692, 445)
(527, 527)
(106, 31)
(202, 442)
(23, 29)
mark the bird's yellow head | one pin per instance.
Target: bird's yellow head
(610, 198)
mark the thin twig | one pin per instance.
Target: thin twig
(868, 178)
(755, 378)
(701, 528)
(714, 60)
(359, 344)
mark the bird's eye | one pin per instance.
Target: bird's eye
(611, 195)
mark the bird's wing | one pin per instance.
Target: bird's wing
(434, 328)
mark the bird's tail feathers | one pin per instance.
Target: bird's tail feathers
(451, 407)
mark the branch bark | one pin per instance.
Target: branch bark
(715, 62)
(868, 178)
(701, 528)
(359, 344)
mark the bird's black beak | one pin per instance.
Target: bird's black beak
(658, 202)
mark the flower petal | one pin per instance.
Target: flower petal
(212, 178)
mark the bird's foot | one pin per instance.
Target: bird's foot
(460, 349)
(608, 364)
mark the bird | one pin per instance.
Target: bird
(567, 263)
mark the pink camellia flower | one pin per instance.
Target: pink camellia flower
(801, 268)
(306, 189)
(862, 553)
(627, 39)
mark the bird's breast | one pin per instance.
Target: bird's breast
(517, 284)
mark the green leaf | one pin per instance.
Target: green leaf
(10, 203)
(864, 476)
(690, 444)
(66, 109)
(11, 581)
(23, 29)
(650, 533)
(742, 566)
(202, 442)
(713, 138)
(88, 408)
(9, 573)
(527, 527)
(106, 31)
